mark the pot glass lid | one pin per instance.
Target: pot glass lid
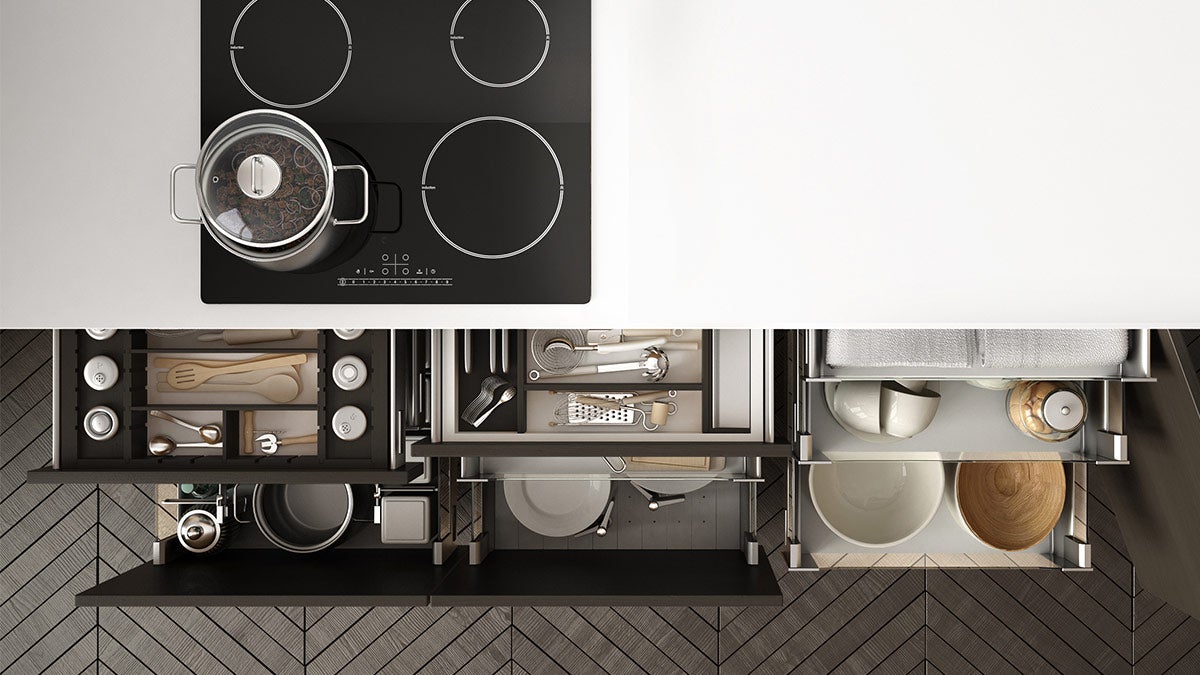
(264, 187)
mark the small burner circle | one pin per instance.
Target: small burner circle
(456, 37)
(235, 47)
(426, 188)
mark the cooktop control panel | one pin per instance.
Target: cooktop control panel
(472, 118)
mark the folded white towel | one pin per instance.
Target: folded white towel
(1007, 348)
(899, 348)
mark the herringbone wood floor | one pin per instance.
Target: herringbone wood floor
(56, 541)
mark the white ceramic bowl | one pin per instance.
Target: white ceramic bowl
(905, 412)
(876, 504)
(856, 405)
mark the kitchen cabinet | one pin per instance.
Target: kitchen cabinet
(142, 363)
(971, 426)
(1138, 438)
(721, 389)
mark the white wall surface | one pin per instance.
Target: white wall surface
(763, 163)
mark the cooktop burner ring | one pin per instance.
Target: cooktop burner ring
(234, 48)
(425, 188)
(455, 37)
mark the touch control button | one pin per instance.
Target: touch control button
(349, 423)
(101, 373)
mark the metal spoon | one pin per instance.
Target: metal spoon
(211, 433)
(165, 445)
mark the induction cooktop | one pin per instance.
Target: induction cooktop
(472, 118)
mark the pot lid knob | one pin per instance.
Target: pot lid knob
(259, 176)
(1063, 410)
(199, 531)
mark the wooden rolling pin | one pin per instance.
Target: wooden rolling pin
(615, 404)
(250, 337)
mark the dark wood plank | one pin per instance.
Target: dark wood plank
(1155, 497)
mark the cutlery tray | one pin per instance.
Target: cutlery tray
(136, 392)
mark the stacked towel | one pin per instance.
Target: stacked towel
(1015, 349)
(899, 348)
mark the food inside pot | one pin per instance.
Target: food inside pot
(279, 193)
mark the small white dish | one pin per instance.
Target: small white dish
(557, 508)
(876, 504)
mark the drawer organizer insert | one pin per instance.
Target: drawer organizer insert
(144, 383)
(713, 390)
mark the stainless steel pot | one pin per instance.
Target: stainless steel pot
(264, 184)
(303, 518)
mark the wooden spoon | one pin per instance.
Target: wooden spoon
(191, 375)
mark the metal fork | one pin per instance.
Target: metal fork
(487, 392)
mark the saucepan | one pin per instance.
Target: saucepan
(303, 518)
(264, 184)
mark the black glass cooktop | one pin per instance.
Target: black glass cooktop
(472, 118)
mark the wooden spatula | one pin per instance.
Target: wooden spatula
(190, 376)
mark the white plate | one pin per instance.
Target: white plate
(557, 508)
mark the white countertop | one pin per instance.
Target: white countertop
(754, 164)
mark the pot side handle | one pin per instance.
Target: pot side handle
(366, 194)
(174, 215)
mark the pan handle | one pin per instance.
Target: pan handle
(174, 215)
(366, 193)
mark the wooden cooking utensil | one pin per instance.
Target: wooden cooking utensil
(247, 432)
(169, 362)
(270, 443)
(189, 376)
(238, 378)
(279, 388)
(1010, 505)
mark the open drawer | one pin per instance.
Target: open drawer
(645, 546)
(717, 390)
(942, 543)
(297, 401)
(971, 425)
(393, 550)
